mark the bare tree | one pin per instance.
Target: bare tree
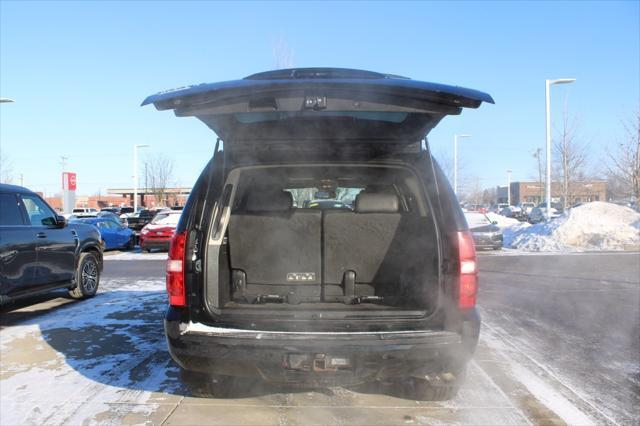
(159, 172)
(445, 161)
(489, 196)
(541, 169)
(282, 54)
(623, 166)
(571, 157)
(6, 172)
(473, 193)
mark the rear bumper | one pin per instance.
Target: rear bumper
(318, 358)
(155, 244)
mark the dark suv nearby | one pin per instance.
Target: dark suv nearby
(260, 288)
(40, 252)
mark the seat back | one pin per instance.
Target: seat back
(275, 245)
(360, 242)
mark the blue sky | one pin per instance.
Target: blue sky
(79, 71)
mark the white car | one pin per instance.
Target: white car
(84, 212)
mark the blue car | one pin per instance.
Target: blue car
(114, 234)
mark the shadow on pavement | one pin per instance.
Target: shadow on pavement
(31, 307)
(117, 339)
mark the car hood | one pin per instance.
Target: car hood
(306, 104)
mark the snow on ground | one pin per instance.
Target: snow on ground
(590, 227)
(104, 361)
(87, 359)
(503, 221)
(135, 255)
(531, 374)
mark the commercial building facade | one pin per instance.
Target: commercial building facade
(124, 197)
(534, 192)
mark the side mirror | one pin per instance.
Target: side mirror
(61, 222)
(495, 222)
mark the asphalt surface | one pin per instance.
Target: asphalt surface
(577, 314)
(559, 344)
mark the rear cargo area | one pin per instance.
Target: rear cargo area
(339, 240)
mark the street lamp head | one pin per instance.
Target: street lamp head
(463, 136)
(562, 81)
(142, 145)
(5, 100)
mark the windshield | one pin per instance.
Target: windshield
(477, 219)
(166, 219)
(318, 198)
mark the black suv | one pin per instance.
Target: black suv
(40, 252)
(140, 220)
(259, 288)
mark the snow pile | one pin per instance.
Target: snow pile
(502, 221)
(592, 226)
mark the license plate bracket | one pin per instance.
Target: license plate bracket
(319, 363)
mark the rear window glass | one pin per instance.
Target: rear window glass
(477, 219)
(166, 219)
(317, 198)
(9, 210)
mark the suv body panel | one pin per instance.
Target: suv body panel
(38, 258)
(377, 120)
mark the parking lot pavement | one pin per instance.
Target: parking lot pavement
(576, 319)
(104, 361)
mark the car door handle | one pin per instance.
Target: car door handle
(41, 235)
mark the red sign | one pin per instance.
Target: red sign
(69, 181)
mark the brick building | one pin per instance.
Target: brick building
(583, 191)
(124, 197)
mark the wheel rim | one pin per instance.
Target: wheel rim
(90, 276)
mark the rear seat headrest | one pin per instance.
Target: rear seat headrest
(376, 203)
(269, 201)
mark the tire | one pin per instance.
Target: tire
(87, 277)
(206, 386)
(146, 250)
(441, 388)
(130, 245)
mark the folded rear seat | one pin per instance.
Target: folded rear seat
(275, 250)
(362, 250)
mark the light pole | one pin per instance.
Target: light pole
(135, 175)
(455, 161)
(548, 85)
(509, 187)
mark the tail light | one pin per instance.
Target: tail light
(175, 270)
(468, 290)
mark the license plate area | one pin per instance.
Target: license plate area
(319, 363)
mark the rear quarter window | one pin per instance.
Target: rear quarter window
(10, 211)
